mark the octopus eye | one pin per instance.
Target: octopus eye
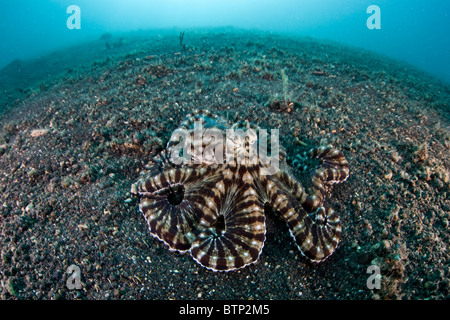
(175, 195)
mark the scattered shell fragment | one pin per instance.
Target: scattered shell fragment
(38, 132)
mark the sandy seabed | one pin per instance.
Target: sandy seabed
(78, 126)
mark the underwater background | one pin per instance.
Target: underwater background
(91, 91)
(411, 30)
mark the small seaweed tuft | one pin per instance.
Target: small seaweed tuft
(182, 44)
(282, 104)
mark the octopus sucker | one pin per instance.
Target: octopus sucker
(216, 211)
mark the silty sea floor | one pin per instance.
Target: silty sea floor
(78, 125)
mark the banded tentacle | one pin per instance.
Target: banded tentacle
(216, 211)
(172, 204)
(234, 235)
(317, 236)
(332, 169)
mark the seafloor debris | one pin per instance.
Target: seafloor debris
(38, 132)
(216, 211)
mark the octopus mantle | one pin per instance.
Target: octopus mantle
(217, 212)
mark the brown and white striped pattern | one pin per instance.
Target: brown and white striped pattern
(318, 236)
(237, 240)
(333, 169)
(176, 224)
(216, 212)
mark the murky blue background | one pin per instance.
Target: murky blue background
(414, 31)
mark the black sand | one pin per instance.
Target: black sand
(105, 108)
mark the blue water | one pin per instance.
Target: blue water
(414, 31)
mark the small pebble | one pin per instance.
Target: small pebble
(38, 132)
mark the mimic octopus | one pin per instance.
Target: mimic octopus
(216, 212)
